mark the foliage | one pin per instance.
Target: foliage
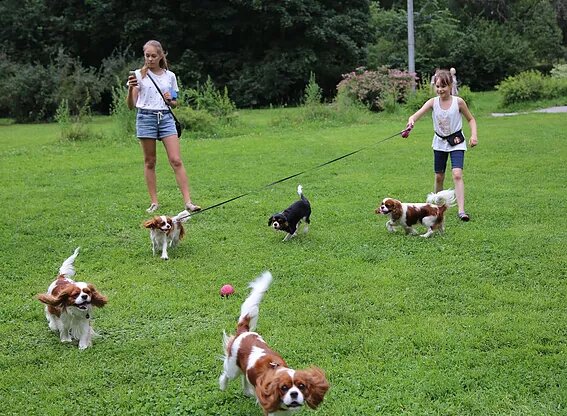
(466, 323)
(559, 71)
(485, 45)
(124, 118)
(75, 128)
(28, 92)
(531, 86)
(377, 88)
(312, 95)
(273, 45)
(198, 123)
(32, 92)
(208, 98)
(422, 93)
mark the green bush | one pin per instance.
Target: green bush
(207, 97)
(200, 122)
(75, 128)
(32, 92)
(124, 119)
(559, 71)
(422, 93)
(531, 86)
(467, 95)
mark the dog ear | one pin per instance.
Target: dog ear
(271, 220)
(59, 300)
(316, 385)
(150, 223)
(97, 299)
(267, 392)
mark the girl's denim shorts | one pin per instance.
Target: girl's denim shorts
(153, 124)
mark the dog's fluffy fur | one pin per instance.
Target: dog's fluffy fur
(289, 219)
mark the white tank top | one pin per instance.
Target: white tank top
(446, 122)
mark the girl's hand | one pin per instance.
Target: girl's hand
(167, 95)
(132, 81)
(473, 141)
(411, 122)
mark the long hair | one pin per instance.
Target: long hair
(161, 53)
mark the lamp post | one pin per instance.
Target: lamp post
(411, 42)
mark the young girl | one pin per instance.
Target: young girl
(154, 120)
(447, 120)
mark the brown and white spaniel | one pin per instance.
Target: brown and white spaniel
(279, 389)
(166, 231)
(407, 214)
(69, 305)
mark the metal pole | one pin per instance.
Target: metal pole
(411, 41)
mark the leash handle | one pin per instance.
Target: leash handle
(405, 133)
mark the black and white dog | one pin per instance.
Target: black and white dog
(289, 219)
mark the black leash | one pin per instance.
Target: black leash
(404, 134)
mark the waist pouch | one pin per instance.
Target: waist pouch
(453, 139)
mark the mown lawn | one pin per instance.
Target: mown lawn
(469, 323)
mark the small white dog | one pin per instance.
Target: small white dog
(69, 305)
(166, 231)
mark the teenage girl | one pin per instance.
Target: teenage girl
(154, 120)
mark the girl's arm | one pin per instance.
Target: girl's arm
(424, 109)
(464, 109)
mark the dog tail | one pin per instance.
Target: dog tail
(446, 198)
(67, 269)
(250, 308)
(300, 193)
(182, 216)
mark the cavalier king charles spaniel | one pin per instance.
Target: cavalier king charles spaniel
(166, 231)
(289, 219)
(279, 389)
(407, 214)
(69, 305)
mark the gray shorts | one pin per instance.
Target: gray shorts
(154, 124)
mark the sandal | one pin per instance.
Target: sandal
(463, 216)
(192, 207)
(153, 207)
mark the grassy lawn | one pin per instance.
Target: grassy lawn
(469, 323)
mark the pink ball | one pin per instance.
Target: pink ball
(226, 291)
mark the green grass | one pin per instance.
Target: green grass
(469, 323)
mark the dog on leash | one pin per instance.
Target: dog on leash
(407, 214)
(69, 305)
(166, 231)
(279, 389)
(289, 219)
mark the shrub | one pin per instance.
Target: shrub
(422, 93)
(124, 119)
(75, 128)
(377, 89)
(531, 86)
(28, 92)
(32, 92)
(207, 97)
(559, 71)
(200, 122)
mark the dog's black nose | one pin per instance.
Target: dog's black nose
(293, 395)
(84, 296)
